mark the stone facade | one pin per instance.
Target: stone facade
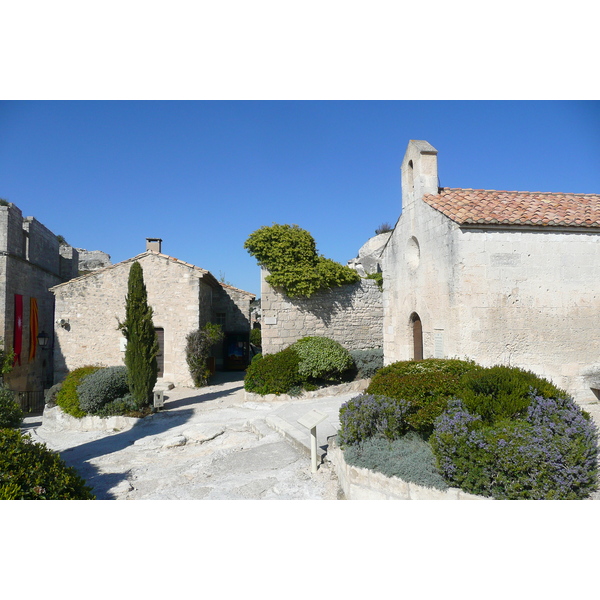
(351, 315)
(31, 261)
(182, 296)
(526, 295)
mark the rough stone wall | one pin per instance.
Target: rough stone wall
(499, 296)
(91, 260)
(30, 264)
(93, 304)
(235, 304)
(351, 314)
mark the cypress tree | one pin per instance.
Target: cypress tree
(142, 344)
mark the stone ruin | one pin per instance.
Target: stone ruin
(368, 260)
(92, 260)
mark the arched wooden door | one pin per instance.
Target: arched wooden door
(417, 329)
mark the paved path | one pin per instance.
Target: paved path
(208, 444)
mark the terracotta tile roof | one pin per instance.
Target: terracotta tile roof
(539, 209)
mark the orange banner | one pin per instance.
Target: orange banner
(33, 327)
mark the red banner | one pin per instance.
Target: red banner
(18, 332)
(33, 327)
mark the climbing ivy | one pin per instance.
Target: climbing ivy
(289, 253)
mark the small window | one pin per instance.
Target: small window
(220, 319)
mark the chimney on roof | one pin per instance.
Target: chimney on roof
(419, 172)
(154, 244)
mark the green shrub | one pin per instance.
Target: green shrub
(367, 362)
(197, 351)
(410, 458)
(290, 255)
(501, 392)
(451, 366)
(50, 395)
(274, 373)
(426, 386)
(256, 337)
(322, 358)
(68, 398)
(101, 387)
(29, 471)
(11, 414)
(378, 278)
(126, 406)
(550, 453)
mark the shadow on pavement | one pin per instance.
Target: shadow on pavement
(78, 456)
(218, 378)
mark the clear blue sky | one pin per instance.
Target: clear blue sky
(202, 175)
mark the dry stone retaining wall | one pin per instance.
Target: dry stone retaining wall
(351, 315)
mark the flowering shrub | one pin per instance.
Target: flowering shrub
(501, 392)
(426, 386)
(551, 453)
(369, 415)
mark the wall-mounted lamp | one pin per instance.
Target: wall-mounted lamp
(64, 323)
(43, 339)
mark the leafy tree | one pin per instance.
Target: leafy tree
(289, 253)
(142, 344)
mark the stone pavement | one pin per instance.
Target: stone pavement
(209, 443)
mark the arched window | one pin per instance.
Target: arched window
(411, 181)
(417, 330)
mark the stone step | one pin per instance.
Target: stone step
(163, 386)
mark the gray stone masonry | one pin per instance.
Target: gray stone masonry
(351, 315)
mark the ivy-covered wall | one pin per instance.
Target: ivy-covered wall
(350, 314)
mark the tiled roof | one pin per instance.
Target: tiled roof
(538, 209)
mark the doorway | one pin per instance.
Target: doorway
(417, 329)
(160, 357)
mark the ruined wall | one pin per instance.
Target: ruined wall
(92, 305)
(351, 314)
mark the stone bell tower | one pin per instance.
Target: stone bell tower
(419, 172)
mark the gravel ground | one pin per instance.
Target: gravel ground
(210, 444)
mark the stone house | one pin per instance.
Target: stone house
(31, 261)
(500, 277)
(183, 297)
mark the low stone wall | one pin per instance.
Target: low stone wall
(326, 392)
(363, 484)
(54, 419)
